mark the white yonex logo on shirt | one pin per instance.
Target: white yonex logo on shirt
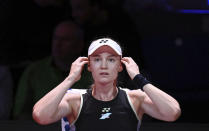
(106, 115)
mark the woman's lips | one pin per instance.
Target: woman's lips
(104, 73)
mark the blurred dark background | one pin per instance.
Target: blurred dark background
(174, 45)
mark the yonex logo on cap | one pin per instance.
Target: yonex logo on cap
(103, 41)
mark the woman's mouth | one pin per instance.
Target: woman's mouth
(104, 73)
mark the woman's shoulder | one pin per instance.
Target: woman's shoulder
(75, 94)
(138, 94)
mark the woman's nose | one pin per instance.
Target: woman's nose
(104, 64)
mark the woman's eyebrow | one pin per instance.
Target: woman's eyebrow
(94, 55)
(107, 56)
(112, 56)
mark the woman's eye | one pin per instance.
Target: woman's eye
(111, 59)
(96, 59)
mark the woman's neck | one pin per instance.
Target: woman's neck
(104, 92)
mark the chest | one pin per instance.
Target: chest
(115, 115)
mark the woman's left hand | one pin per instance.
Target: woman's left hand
(131, 66)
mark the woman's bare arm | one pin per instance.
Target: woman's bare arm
(55, 104)
(156, 103)
(159, 104)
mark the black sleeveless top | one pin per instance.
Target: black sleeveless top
(114, 115)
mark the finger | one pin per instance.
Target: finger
(125, 63)
(125, 59)
(82, 59)
(131, 59)
(84, 62)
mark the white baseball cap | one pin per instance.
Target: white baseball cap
(104, 41)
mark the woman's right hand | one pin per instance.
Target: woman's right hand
(77, 67)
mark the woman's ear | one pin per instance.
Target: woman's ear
(121, 67)
(89, 67)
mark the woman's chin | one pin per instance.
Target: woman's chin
(104, 81)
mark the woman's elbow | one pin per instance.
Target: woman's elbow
(39, 118)
(176, 113)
